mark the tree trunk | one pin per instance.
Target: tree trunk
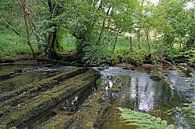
(138, 39)
(130, 44)
(52, 42)
(10, 26)
(103, 25)
(27, 28)
(148, 39)
(115, 41)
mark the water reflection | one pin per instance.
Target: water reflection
(185, 85)
(144, 93)
(140, 93)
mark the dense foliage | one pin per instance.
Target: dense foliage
(104, 31)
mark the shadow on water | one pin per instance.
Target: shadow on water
(140, 93)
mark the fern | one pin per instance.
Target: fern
(143, 120)
(188, 113)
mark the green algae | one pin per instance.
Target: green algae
(24, 95)
(44, 83)
(87, 118)
(49, 99)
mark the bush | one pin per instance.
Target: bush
(127, 56)
(96, 54)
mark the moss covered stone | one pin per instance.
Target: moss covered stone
(46, 100)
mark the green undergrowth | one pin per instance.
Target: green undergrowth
(12, 45)
(128, 56)
(101, 54)
(67, 43)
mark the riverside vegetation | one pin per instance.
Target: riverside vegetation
(133, 64)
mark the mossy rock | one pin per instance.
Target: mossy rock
(49, 98)
(157, 76)
(87, 118)
(28, 92)
(58, 122)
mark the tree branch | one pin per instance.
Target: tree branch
(10, 26)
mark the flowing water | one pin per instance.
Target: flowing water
(140, 93)
(133, 89)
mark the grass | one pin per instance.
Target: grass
(12, 45)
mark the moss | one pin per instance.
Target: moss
(13, 128)
(45, 83)
(2, 127)
(49, 98)
(87, 118)
(157, 76)
(58, 122)
(31, 90)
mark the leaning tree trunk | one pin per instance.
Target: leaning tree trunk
(23, 5)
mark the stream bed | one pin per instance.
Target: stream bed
(133, 89)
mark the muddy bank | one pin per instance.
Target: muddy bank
(70, 59)
(44, 100)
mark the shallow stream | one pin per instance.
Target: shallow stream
(132, 89)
